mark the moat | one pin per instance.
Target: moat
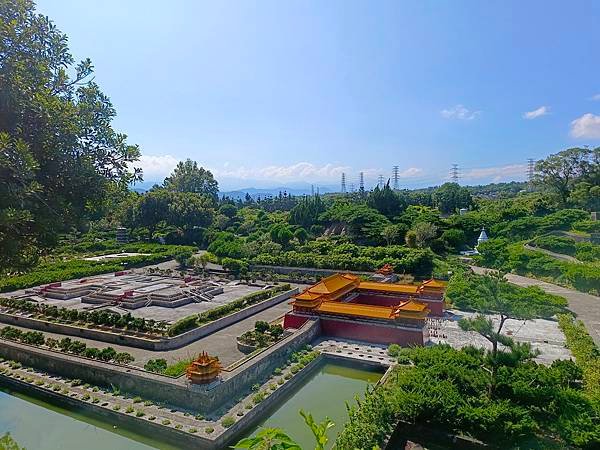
(38, 425)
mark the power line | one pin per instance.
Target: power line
(454, 173)
(530, 171)
(396, 177)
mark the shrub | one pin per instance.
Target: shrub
(227, 421)
(209, 430)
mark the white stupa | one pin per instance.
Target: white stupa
(483, 237)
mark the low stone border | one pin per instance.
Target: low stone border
(158, 344)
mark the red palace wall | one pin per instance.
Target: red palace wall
(362, 331)
(370, 332)
(436, 306)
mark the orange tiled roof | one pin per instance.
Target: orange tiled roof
(388, 287)
(329, 288)
(409, 310)
(434, 283)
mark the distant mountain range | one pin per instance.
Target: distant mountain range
(297, 189)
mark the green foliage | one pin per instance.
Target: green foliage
(156, 365)
(307, 211)
(8, 443)
(188, 177)
(227, 421)
(450, 197)
(268, 439)
(235, 266)
(59, 155)
(473, 292)
(499, 254)
(319, 430)
(449, 389)
(196, 320)
(51, 272)
(386, 201)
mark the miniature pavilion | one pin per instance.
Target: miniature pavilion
(370, 311)
(204, 369)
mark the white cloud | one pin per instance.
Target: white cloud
(296, 172)
(497, 174)
(541, 111)
(595, 98)
(459, 112)
(410, 172)
(155, 168)
(586, 126)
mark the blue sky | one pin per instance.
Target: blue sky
(269, 93)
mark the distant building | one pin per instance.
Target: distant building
(463, 211)
(483, 237)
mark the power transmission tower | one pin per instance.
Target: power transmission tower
(351, 187)
(454, 173)
(361, 182)
(312, 190)
(396, 177)
(343, 183)
(530, 173)
(380, 181)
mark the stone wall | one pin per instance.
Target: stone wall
(141, 342)
(158, 387)
(169, 434)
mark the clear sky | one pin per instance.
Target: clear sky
(276, 92)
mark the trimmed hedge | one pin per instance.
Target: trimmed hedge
(190, 322)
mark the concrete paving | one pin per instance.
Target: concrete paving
(543, 335)
(585, 306)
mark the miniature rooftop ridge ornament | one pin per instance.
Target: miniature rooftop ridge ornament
(386, 269)
(204, 369)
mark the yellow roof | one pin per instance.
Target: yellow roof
(330, 288)
(388, 287)
(435, 283)
(410, 309)
(356, 309)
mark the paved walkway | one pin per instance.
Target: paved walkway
(585, 306)
(560, 256)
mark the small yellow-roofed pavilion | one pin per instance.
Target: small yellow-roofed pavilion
(204, 369)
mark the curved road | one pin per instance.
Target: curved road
(585, 306)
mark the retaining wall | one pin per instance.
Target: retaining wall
(146, 343)
(172, 391)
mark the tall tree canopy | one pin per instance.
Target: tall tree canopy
(561, 172)
(450, 197)
(188, 177)
(386, 201)
(58, 150)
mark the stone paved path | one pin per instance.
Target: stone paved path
(585, 306)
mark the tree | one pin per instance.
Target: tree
(495, 296)
(301, 234)
(559, 172)
(450, 196)
(424, 233)
(188, 177)
(59, 152)
(268, 439)
(390, 234)
(8, 443)
(386, 201)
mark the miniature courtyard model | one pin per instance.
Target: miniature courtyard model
(369, 311)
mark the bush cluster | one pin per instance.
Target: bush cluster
(96, 317)
(190, 322)
(66, 345)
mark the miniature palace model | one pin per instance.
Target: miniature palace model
(369, 311)
(204, 369)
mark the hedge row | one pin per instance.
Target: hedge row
(419, 262)
(66, 345)
(585, 351)
(190, 322)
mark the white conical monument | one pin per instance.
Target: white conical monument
(483, 237)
